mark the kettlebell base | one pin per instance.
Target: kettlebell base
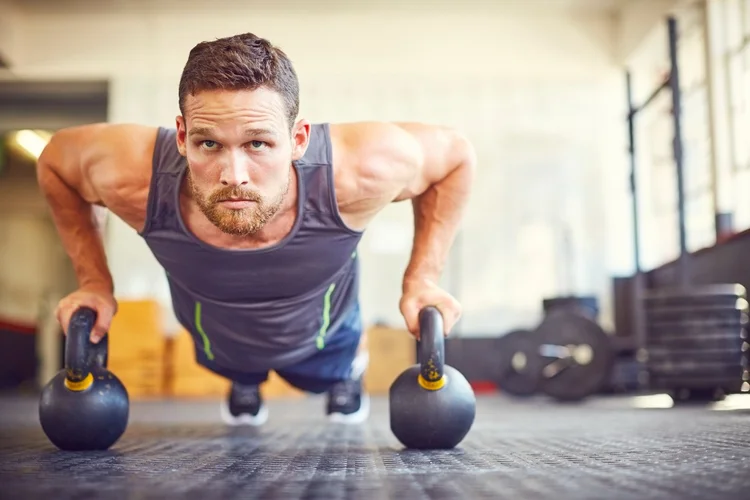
(93, 419)
(423, 419)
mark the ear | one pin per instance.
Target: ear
(181, 134)
(300, 138)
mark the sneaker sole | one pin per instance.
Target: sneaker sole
(245, 418)
(357, 417)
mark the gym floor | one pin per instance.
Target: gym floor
(607, 447)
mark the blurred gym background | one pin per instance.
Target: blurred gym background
(538, 85)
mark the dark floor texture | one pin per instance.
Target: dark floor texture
(607, 448)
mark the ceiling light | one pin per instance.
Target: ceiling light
(31, 141)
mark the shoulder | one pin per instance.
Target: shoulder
(104, 150)
(394, 159)
(376, 145)
(370, 161)
(364, 144)
(108, 164)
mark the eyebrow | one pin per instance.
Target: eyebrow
(251, 132)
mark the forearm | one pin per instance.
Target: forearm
(77, 226)
(437, 216)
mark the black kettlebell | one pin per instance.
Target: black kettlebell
(432, 405)
(84, 406)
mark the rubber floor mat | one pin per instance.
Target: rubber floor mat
(604, 449)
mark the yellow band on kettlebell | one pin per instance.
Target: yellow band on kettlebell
(80, 386)
(431, 386)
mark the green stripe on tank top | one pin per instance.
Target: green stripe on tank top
(320, 341)
(199, 327)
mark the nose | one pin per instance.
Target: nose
(235, 172)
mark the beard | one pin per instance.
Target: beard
(237, 222)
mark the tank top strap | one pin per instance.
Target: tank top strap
(167, 168)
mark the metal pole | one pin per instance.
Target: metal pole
(637, 311)
(674, 83)
(633, 186)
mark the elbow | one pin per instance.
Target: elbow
(465, 157)
(49, 163)
(43, 166)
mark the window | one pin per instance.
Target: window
(736, 24)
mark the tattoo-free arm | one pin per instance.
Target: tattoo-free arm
(63, 183)
(439, 192)
(88, 169)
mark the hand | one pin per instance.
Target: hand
(422, 293)
(100, 300)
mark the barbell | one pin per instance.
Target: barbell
(568, 357)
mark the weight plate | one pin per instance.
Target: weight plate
(709, 369)
(705, 294)
(697, 319)
(675, 342)
(683, 381)
(726, 305)
(577, 355)
(697, 334)
(519, 366)
(656, 354)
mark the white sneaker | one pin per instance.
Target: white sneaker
(244, 406)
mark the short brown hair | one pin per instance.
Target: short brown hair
(240, 62)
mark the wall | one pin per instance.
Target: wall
(538, 92)
(10, 22)
(637, 21)
(32, 261)
(711, 58)
(732, 18)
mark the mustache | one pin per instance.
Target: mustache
(234, 193)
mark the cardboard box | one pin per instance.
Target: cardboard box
(188, 379)
(152, 365)
(391, 352)
(136, 348)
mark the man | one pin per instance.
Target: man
(255, 215)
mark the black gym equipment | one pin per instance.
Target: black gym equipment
(519, 364)
(697, 340)
(85, 406)
(567, 357)
(577, 356)
(432, 405)
(586, 305)
(690, 336)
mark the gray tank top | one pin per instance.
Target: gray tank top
(265, 308)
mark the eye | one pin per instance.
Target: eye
(208, 144)
(258, 144)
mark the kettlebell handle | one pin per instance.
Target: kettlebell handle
(78, 359)
(431, 349)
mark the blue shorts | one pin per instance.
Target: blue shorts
(320, 371)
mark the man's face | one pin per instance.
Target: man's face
(239, 151)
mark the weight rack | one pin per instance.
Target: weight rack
(692, 339)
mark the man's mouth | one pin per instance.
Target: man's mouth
(236, 202)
